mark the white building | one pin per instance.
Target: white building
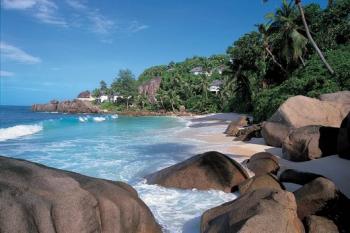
(215, 86)
(103, 98)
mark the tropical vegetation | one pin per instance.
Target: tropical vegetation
(297, 50)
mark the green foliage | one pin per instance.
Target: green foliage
(260, 70)
(311, 81)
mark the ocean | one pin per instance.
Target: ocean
(113, 147)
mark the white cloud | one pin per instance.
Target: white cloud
(78, 5)
(16, 54)
(4, 73)
(44, 10)
(100, 24)
(18, 4)
(135, 26)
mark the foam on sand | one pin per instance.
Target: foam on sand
(18, 131)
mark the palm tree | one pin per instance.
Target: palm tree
(263, 29)
(174, 99)
(283, 23)
(308, 34)
(204, 86)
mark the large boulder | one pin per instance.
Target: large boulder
(310, 142)
(318, 224)
(262, 163)
(274, 133)
(299, 111)
(343, 145)
(40, 199)
(210, 170)
(342, 97)
(263, 210)
(259, 182)
(297, 177)
(233, 128)
(321, 197)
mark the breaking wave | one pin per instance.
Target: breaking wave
(18, 131)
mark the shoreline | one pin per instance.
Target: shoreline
(209, 129)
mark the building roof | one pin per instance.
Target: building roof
(217, 83)
(197, 69)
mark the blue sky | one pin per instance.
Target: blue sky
(54, 49)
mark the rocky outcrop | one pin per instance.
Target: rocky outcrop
(263, 210)
(321, 197)
(233, 128)
(40, 199)
(74, 106)
(258, 182)
(310, 142)
(150, 89)
(274, 133)
(262, 163)
(318, 224)
(84, 94)
(300, 111)
(210, 170)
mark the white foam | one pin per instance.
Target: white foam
(83, 119)
(18, 131)
(115, 116)
(179, 211)
(99, 119)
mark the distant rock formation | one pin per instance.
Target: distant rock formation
(150, 89)
(74, 106)
(36, 198)
(84, 94)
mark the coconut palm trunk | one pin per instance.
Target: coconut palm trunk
(274, 59)
(308, 34)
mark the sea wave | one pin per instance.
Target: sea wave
(99, 119)
(18, 131)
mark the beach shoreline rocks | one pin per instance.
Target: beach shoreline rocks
(36, 198)
(68, 106)
(210, 170)
(300, 111)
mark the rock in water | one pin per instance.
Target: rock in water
(210, 170)
(40, 199)
(262, 163)
(263, 210)
(321, 197)
(234, 126)
(310, 142)
(318, 224)
(300, 111)
(258, 182)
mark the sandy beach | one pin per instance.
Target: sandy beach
(210, 128)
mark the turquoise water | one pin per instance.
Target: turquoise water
(112, 147)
